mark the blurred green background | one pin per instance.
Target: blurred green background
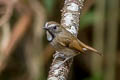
(25, 53)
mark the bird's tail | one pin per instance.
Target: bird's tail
(89, 49)
(92, 50)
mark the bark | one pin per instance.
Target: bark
(70, 20)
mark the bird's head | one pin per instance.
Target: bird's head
(52, 29)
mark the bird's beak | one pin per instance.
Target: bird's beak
(45, 28)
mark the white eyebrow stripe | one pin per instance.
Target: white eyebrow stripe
(51, 25)
(46, 25)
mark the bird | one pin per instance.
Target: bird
(65, 42)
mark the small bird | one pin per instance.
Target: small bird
(65, 42)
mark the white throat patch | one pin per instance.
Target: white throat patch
(49, 36)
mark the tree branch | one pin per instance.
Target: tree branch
(70, 20)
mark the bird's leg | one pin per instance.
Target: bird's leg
(66, 59)
(56, 55)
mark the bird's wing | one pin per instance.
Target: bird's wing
(81, 47)
(62, 43)
(75, 45)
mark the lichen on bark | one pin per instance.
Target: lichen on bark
(70, 19)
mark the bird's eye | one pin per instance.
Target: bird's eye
(54, 27)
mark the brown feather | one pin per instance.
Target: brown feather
(64, 40)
